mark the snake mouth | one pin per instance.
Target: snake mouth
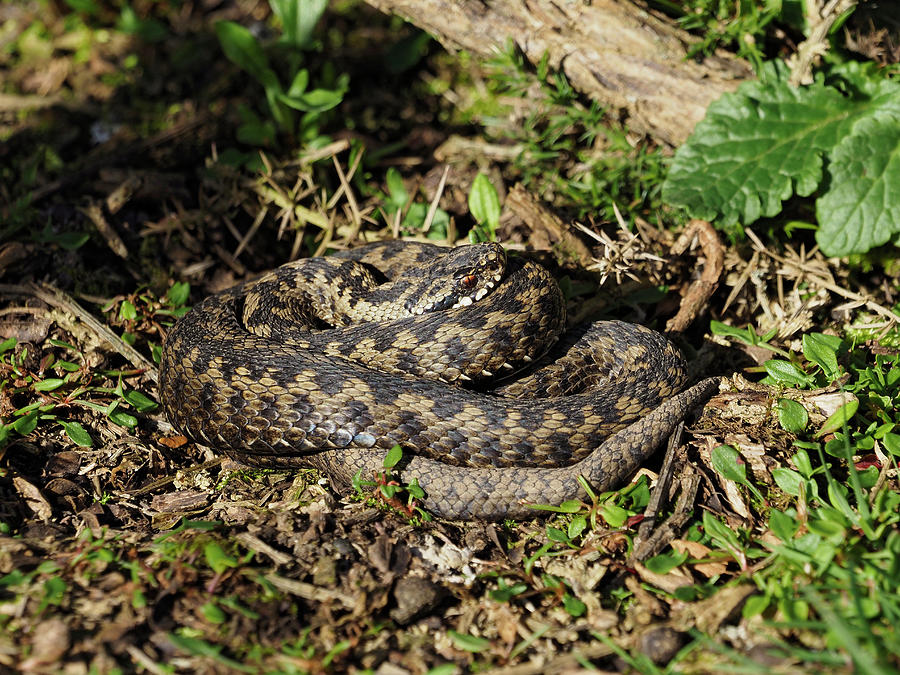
(454, 301)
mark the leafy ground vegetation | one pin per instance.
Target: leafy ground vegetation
(154, 152)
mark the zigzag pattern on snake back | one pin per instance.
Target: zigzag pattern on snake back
(455, 354)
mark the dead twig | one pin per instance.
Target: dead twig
(700, 291)
(56, 298)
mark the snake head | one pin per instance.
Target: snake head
(464, 275)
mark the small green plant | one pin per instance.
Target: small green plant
(740, 25)
(484, 205)
(747, 335)
(390, 491)
(298, 19)
(567, 150)
(769, 140)
(400, 208)
(42, 392)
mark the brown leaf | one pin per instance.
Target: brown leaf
(33, 498)
(173, 442)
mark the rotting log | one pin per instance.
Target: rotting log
(611, 50)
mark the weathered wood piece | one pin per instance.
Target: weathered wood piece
(611, 50)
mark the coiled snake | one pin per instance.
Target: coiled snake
(278, 372)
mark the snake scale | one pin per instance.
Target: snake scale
(455, 354)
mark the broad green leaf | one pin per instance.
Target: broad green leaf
(415, 490)
(788, 480)
(755, 604)
(573, 605)
(613, 514)
(786, 372)
(861, 208)
(243, 49)
(839, 418)
(298, 19)
(666, 562)
(394, 455)
(792, 416)
(140, 402)
(577, 526)
(178, 293)
(756, 147)
(555, 534)
(77, 433)
(891, 443)
(7, 344)
(213, 613)
(217, 559)
(26, 424)
(397, 194)
(50, 384)
(127, 311)
(782, 525)
(484, 204)
(315, 100)
(123, 419)
(727, 462)
(822, 349)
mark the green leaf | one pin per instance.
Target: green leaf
(666, 562)
(397, 194)
(27, 423)
(861, 208)
(140, 402)
(555, 534)
(822, 349)
(756, 147)
(393, 456)
(178, 294)
(468, 643)
(484, 204)
(243, 49)
(577, 526)
(792, 416)
(573, 605)
(727, 462)
(299, 83)
(613, 514)
(720, 532)
(298, 19)
(839, 418)
(755, 604)
(7, 344)
(213, 613)
(786, 372)
(217, 559)
(200, 647)
(50, 384)
(316, 100)
(505, 593)
(122, 419)
(788, 480)
(745, 335)
(77, 433)
(891, 443)
(782, 525)
(127, 311)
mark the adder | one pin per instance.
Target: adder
(458, 355)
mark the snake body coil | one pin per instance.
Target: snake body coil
(329, 362)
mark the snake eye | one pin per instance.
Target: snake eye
(469, 281)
